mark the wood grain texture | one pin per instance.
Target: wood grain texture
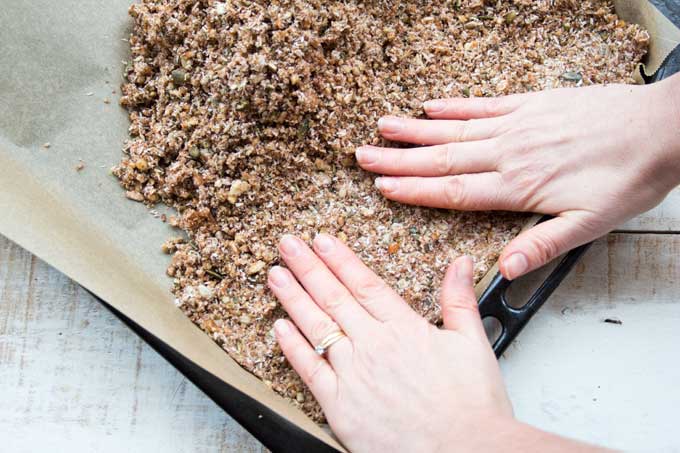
(570, 372)
(665, 217)
(74, 378)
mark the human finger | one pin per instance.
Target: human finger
(469, 192)
(472, 108)
(315, 372)
(439, 160)
(373, 294)
(314, 323)
(324, 287)
(543, 243)
(458, 303)
(435, 132)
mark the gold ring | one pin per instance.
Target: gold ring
(329, 341)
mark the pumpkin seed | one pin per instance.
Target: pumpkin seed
(572, 76)
(179, 77)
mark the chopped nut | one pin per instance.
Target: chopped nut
(194, 152)
(367, 212)
(510, 17)
(472, 25)
(205, 292)
(142, 165)
(572, 76)
(256, 267)
(209, 326)
(237, 189)
(322, 165)
(220, 9)
(134, 195)
(179, 77)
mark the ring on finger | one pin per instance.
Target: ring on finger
(329, 341)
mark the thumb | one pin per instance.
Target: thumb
(543, 243)
(458, 301)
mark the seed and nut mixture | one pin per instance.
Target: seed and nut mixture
(245, 116)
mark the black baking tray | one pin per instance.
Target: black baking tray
(280, 435)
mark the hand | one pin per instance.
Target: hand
(593, 157)
(394, 373)
(395, 383)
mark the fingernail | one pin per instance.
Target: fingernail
(386, 184)
(324, 243)
(366, 155)
(281, 327)
(279, 277)
(515, 265)
(290, 245)
(389, 124)
(435, 106)
(464, 268)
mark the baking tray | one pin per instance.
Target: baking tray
(44, 210)
(278, 434)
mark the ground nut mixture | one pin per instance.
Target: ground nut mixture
(246, 115)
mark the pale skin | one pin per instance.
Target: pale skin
(592, 157)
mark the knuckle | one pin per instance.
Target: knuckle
(457, 303)
(494, 106)
(449, 164)
(306, 271)
(369, 289)
(321, 329)
(522, 183)
(462, 133)
(454, 192)
(333, 300)
(442, 160)
(546, 248)
(527, 180)
(524, 140)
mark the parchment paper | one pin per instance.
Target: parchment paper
(665, 36)
(59, 62)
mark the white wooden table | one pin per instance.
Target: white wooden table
(74, 378)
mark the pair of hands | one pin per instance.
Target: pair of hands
(592, 157)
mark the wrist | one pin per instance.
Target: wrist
(482, 433)
(509, 435)
(667, 127)
(659, 149)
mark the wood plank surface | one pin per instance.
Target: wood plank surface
(665, 217)
(75, 379)
(572, 373)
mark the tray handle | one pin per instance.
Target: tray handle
(494, 302)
